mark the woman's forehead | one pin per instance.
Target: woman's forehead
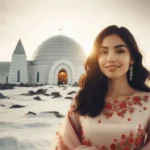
(112, 40)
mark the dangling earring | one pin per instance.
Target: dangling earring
(131, 72)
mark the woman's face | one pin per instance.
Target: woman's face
(114, 57)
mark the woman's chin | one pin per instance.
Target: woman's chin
(113, 76)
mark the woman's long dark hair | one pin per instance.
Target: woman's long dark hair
(94, 85)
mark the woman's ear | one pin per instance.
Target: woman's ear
(131, 62)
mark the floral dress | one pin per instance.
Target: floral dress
(123, 125)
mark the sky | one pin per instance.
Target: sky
(33, 21)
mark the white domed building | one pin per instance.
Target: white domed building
(58, 60)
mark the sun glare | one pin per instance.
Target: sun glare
(87, 48)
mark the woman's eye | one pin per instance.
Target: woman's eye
(103, 52)
(120, 51)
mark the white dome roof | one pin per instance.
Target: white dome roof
(59, 47)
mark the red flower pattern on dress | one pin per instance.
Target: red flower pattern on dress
(122, 107)
(146, 98)
(113, 146)
(129, 119)
(136, 99)
(123, 136)
(132, 141)
(103, 148)
(84, 117)
(115, 140)
(108, 106)
(99, 121)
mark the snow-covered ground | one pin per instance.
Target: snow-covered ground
(19, 131)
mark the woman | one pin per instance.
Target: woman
(112, 109)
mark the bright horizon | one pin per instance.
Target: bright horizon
(33, 21)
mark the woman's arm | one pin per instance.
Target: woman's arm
(68, 136)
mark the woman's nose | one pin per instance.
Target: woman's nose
(111, 57)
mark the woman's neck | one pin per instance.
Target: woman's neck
(119, 87)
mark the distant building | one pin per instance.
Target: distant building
(58, 60)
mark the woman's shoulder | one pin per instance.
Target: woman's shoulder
(142, 99)
(142, 93)
(142, 96)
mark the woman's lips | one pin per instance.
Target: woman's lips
(112, 68)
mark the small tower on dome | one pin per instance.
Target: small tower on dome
(60, 31)
(18, 72)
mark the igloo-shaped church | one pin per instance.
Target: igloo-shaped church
(57, 60)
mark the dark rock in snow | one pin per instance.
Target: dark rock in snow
(17, 106)
(75, 84)
(30, 112)
(31, 93)
(38, 92)
(37, 98)
(24, 85)
(55, 95)
(25, 94)
(57, 114)
(2, 105)
(46, 94)
(64, 88)
(36, 85)
(41, 91)
(2, 96)
(69, 98)
(58, 96)
(6, 86)
(29, 85)
(72, 92)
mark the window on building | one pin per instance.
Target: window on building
(18, 76)
(7, 79)
(38, 77)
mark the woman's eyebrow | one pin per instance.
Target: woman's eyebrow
(117, 46)
(103, 47)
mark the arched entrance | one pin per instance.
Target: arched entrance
(57, 67)
(62, 77)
